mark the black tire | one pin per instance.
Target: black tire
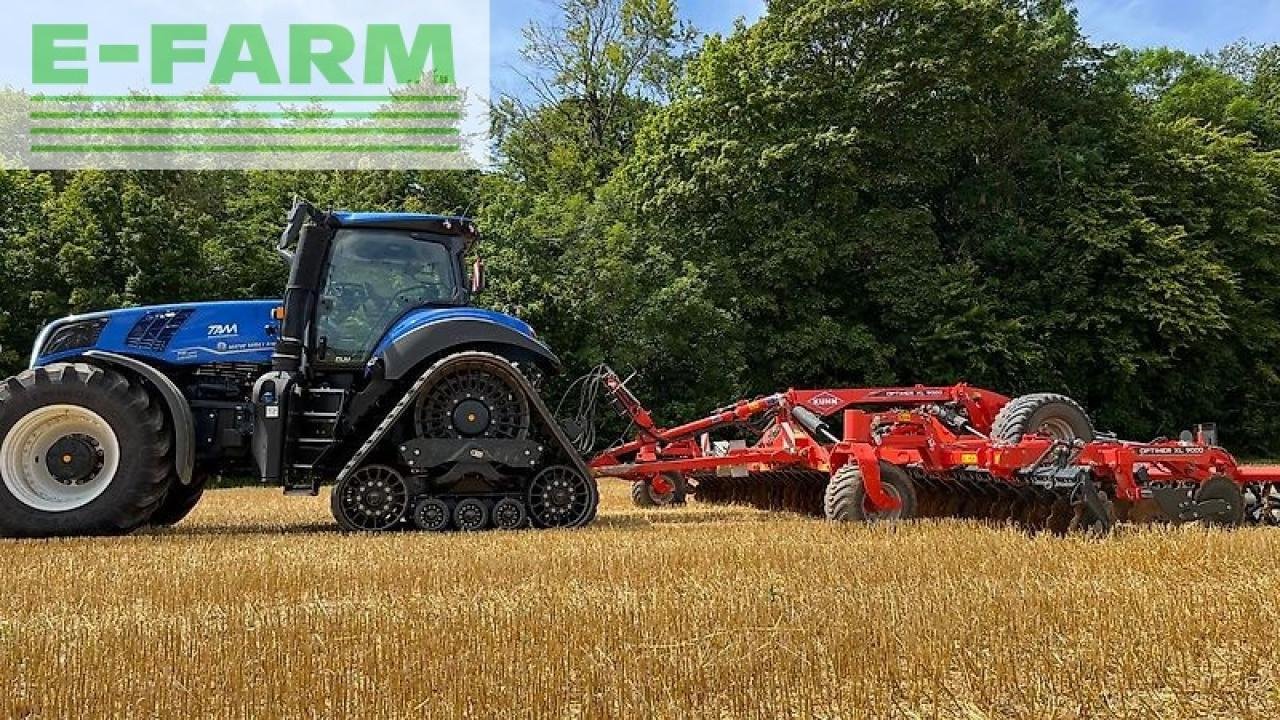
(141, 478)
(179, 501)
(846, 496)
(642, 496)
(1222, 488)
(1057, 415)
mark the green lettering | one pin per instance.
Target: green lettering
(46, 53)
(303, 55)
(386, 43)
(164, 55)
(260, 62)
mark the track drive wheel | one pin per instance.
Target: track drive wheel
(470, 400)
(562, 497)
(83, 451)
(374, 498)
(846, 497)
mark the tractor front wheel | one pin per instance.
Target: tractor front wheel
(83, 451)
(179, 501)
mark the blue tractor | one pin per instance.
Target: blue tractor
(373, 374)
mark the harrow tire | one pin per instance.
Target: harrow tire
(179, 501)
(644, 496)
(846, 495)
(1223, 488)
(136, 441)
(1061, 416)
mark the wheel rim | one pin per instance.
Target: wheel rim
(472, 402)
(432, 515)
(470, 515)
(560, 497)
(374, 498)
(509, 514)
(872, 514)
(1057, 429)
(59, 458)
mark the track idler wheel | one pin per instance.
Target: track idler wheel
(373, 499)
(432, 515)
(561, 497)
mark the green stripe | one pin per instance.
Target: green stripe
(247, 98)
(200, 149)
(118, 53)
(243, 131)
(182, 115)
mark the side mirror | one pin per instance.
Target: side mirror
(478, 280)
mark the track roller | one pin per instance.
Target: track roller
(510, 514)
(432, 515)
(471, 515)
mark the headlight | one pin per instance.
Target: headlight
(74, 336)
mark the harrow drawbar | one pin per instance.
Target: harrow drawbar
(871, 454)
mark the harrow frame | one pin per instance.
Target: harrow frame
(939, 434)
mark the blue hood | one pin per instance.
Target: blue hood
(178, 334)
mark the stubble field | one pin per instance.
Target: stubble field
(256, 607)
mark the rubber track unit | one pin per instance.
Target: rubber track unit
(499, 366)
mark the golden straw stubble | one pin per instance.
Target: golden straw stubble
(257, 607)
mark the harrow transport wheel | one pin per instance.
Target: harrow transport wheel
(471, 515)
(83, 451)
(645, 495)
(432, 515)
(373, 499)
(179, 501)
(1222, 488)
(509, 514)
(561, 497)
(468, 401)
(846, 497)
(1055, 416)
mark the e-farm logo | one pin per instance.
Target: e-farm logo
(230, 95)
(60, 54)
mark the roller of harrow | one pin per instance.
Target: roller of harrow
(872, 454)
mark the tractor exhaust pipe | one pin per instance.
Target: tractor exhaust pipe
(302, 294)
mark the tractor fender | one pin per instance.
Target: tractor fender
(184, 424)
(406, 353)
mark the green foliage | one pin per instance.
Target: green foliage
(846, 192)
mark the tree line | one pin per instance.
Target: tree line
(845, 192)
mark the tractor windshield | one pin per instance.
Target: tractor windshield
(374, 277)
